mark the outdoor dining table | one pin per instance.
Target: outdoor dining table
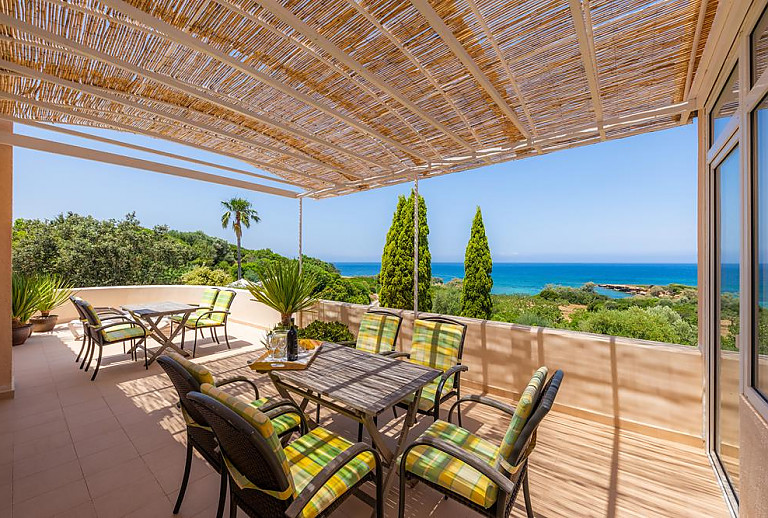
(359, 385)
(152, 313)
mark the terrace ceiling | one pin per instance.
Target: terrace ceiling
(339, 96)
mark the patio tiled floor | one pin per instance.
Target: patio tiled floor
(115, 447)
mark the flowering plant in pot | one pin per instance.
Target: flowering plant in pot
(25, 297)
(53, 291)
(285, 288)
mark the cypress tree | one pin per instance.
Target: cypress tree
(476, 291)
(396, 278)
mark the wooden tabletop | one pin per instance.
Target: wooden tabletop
(369, 383)
(159, 309)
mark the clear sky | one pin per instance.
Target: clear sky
(629, 200)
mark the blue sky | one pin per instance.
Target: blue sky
(629, 200)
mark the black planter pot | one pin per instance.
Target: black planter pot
(21, 333)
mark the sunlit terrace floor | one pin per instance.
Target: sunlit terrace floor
(115, 447)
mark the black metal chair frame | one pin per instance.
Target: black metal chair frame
(508, 488)
(232, 430)
(201, 438)
(95, 338)
(214, 334)
(104, 313)
(454, 372)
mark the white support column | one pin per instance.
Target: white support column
(301, 221)
(416, 245)
(6, 223)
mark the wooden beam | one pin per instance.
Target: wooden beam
(692, 60)
(198, 45)
(588, 59)
(143, 149)
(108, 95)
(118, 126)
(13, 139)
(170, 82)
(445, 33)
(293, 21)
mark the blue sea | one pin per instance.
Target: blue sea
(531, 278)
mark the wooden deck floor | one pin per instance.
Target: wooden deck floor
(115, 447)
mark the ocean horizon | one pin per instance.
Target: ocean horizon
(531, 278)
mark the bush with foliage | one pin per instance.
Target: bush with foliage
(446, 300)
(584, 295)
(205, 276)
(476, 295)
(328, 331)
(660, 324)
(527, 310)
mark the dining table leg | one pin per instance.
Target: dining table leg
(164, 341)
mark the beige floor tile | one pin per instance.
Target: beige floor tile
(82, 431)
(117, 475)
(45, 481)
(105, 459)
(101, 442)
(127, 497)
(85, 510)
(40, 446)
(53, 502)
(43, 461)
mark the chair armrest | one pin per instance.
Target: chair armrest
(453, 371)
(240, 379)
(297, 506)
(348, 343)
(451, 449)
(287, 407)
(396, 354)
(204, 315)
(119, 323)
(482, 400)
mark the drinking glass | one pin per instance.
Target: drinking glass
(278, 342)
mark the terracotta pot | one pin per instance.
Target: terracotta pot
(43, 324)
(21, 333)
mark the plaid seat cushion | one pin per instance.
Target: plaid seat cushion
(192, 316)
(427, 399)
(309, 454)
(449, 472)
(282, 423)
(436, 344)
(206, 303)
(203, 322)
(123, 332)
(197, 371)
(377, 333)
(522, 413)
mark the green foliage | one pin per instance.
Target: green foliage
(476, 295)
(527, 310)
(207, 250)
(446, 300)
(396, 276)
(346, 290)
(53, 291)
(660, 324)
(25, 297)
(585, 295)
(284, 288)
(205, 276)
(90, 252)
(241, 213)
(328, 331)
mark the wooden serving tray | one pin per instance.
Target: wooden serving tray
(312, 347)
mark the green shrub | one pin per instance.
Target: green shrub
(446, 300)
(509, 308)
(328, 331)
(205, 276)
(659, 324)
(566, 295)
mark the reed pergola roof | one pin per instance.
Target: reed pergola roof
(340, 96)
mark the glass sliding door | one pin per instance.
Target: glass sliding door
(726, 365)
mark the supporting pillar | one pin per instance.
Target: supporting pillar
(416, 246)
(6, 223)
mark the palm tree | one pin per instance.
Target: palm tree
(241, 213)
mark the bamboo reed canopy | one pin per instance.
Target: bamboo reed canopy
(340, 96)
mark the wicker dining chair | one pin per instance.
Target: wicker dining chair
(472, 470)
(187, 377)
(377, 334)
(310, 477)
(211, 319)
(113, 331)
(206, 303)
(105, 313)
(438, 342)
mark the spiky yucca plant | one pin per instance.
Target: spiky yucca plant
(54, 290)
(25, 298)
(284, 288)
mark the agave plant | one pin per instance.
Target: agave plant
(25, 298)
(284, 288)
(54, 290)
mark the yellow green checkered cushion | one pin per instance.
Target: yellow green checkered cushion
(282, 423)
(197, 371)
(93, 317)
(223, 303)
(436, 345)
(203, 322)
(261, 424)
(122, 332)
(449, 472)
(377, 333)
(427, 399)
(206, 303)
(309, 454)
(522, 413)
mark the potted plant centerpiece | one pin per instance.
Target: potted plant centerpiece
(24, 301)
(54, 291)
(285, 288)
